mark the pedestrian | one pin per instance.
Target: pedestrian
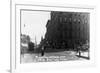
(42, 51)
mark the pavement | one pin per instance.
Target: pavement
(48, 57)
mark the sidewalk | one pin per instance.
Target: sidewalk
(59, 56)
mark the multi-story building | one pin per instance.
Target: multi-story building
(67, 29)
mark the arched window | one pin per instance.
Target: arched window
(65, 19)
(60, 19)
(74, 19)
(79, 21)
(70, 19)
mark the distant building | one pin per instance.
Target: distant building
(67, 29)
(24, 43)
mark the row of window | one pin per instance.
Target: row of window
(84, 21)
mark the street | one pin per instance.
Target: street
(55, 56)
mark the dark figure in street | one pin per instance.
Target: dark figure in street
(42, 50)
(79, 51)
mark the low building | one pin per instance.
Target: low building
(24, 43)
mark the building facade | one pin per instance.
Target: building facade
(67, 29)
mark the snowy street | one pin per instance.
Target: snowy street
(55, 56)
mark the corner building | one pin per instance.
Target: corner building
(67, 29)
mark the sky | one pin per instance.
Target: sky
(33, 23)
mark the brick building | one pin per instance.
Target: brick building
(67, 29)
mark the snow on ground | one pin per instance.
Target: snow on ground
(55, 56)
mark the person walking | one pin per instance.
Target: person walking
(42, 51)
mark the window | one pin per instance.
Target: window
(60, 19)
